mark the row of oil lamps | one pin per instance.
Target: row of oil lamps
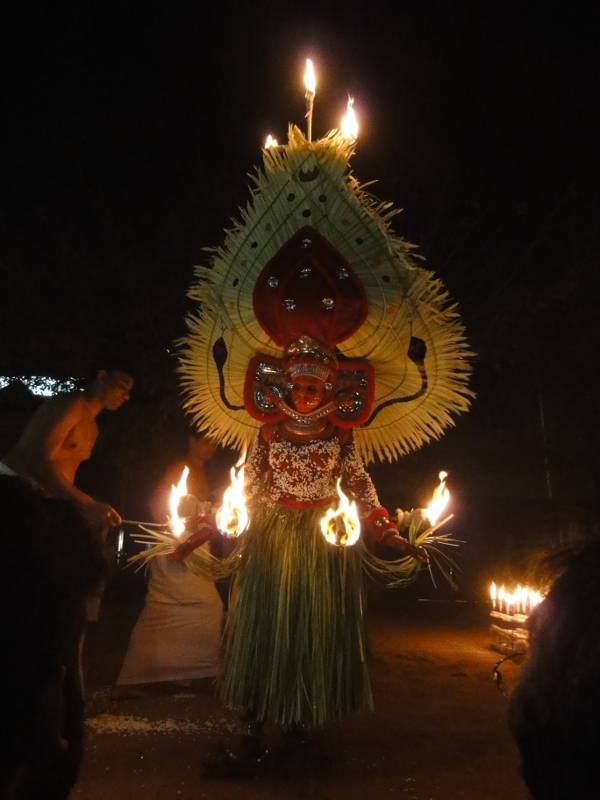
(519, 602)
(510, 611)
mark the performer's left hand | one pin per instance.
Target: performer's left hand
(197, 539)
(416, 518)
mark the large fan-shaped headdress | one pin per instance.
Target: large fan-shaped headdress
(314, 256)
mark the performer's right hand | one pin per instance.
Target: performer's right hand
(101, 515)
(404, 546)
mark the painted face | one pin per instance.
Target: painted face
(306, 393)
(116, 388)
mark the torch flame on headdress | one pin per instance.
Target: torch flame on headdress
(310, 83)
(232, 518)
(341, 526)
(349, 122)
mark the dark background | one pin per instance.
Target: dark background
(129, 129)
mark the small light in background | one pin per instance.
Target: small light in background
(40, 384)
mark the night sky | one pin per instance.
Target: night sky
(129, 129)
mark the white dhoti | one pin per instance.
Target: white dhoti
(178, 633)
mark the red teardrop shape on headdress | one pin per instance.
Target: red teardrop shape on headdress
(308, 287)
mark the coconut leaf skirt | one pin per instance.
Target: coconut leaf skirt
(295, 646)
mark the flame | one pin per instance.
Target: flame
(349, 122)
(534, 598)
(522, 601)
(509, 601)
(176, 522)
(271, 142)
(309, 77)
(441, 495)
(232, 518)
(518, 597)
(342, 525)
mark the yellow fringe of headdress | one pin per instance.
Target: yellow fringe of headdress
(405, 301)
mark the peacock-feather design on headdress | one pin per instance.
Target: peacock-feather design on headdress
(379, 306)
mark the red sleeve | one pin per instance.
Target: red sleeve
(355, 476)
(375, 517)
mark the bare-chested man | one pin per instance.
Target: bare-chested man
(62, 434)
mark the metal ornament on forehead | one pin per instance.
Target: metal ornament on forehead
(308, 356)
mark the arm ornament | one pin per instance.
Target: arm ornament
(380, 524)
(207, 526)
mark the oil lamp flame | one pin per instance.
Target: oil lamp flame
(232, 518)
(441, 495)
(341, 526)
(534, 598)
(309, 77)
(518, 597)
(493, 594)
(522, 601)
(176, 522)
(349, 122)
(271, 142)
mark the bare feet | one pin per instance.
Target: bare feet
(247, 760)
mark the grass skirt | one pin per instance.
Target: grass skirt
(295, 645)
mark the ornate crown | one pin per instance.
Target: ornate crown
(308, 356)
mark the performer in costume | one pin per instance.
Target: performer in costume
(295, 649)
(322, 341)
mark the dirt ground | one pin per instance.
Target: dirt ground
(438, 732)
